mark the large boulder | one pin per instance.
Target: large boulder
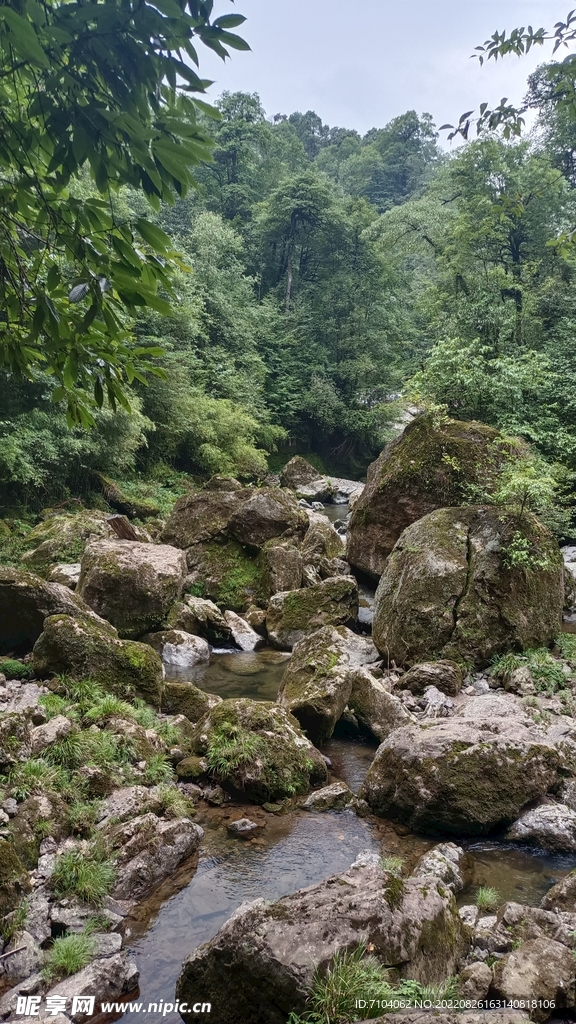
(552, 826)
(303, 478)
(202, 515)
(148, 849)
(179, 651)
(321, 540)
(268, 513)
(199, 616)
(375, 708)
(62, 538)
(449, 591)
(459, 776)
(431, 465)
(82, 649)
(257, 748)
(132, 585)
(562, 896)
(281, 567)
(540, 972)
(446, 676)
(26, 600)
(261, 964)
(225, 572)
(296, 613)
(316, 685)
(186, 699)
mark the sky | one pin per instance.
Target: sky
(359, 63)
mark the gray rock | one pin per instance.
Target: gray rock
(271, 951)
(43, 736)
(436, 704)
(66, 574)
(551, 826)
(331, 798)
(295, 614)
(107, 979)
(242, 634)
(374, 706)
(128, 802)
(539, 970)
(447, 862)
(474, 982)
(132, 585)
(243, 828)
(422, 774)
(148, 849)
(179, 651)
(26, 961)
(446, 676)
(26, 601)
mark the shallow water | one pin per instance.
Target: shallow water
(520, 875)
(254, 674)
(335, 512)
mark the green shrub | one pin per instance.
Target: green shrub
(158, 769)
(83, 815)
(68, 955)
(90, 877)
(546, 671)
(566, 644)
(109, 707)
(37, 776)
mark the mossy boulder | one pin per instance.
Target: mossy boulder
(38, 816)
(25, 602)
(257, 749)
(321, 540)
(83, 649)
(281, 567)
(268, 513)
(295, 614)
(14, 881)
(431, 465)
(450, 590)
(186, 699)
(460, 776)
(262, 963)
(446, 676)
(377, 710)
(132, 585)
(227, 574)
(202, 515)
(62, 538)
(199, 616)
(316, 686)
(303, 478)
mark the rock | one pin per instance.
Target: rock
(62, 538)
(447, 593)
(107, 979)
(329, 798)
(346, 491)
(321, 540)
(551, 826)
(444, 675)
(130, 584)
(258, 749)
(539, 970)
(300, 476)
(26, 959)
(315, 687)
(198, 616)
(44, 735)
(272, 951)
(474, 982)
(435, 704)
(459, 776)
(202, 516)
(431, 465)
(243, 828)
(83, 649)
(14, 881)
(242, 634)
(192, 767)
(74, 916)
(256, 617)
(562, 896)
(26, 601)
(148, 850)
(516, 923)
(65, 574)
(128, 802)
(281, 567)
(215, 795)
(228, 574)
(494, 705)
(266, 514)
(447, 862)
(179, 651)
(375, 707)
(186, 699)
(295, 614)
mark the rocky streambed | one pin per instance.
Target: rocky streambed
(242, 752)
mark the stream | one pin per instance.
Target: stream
(296, 848)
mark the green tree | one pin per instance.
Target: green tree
(112, 88)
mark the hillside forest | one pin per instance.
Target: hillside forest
(329, 282)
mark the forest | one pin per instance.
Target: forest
(328, 281)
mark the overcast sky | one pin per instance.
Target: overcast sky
(358, 63)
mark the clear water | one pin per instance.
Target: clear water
(256, 674)
(520, 875)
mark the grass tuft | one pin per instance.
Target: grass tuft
(487, 898)
(68, 955)
(89, 877)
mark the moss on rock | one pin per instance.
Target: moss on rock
(186, 699)
(295, 614)
(257, 748)
(228, 574)
(83, 649)
(62, 538)
(14, 881)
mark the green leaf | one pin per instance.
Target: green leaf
(153, 235)
(23, 37)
